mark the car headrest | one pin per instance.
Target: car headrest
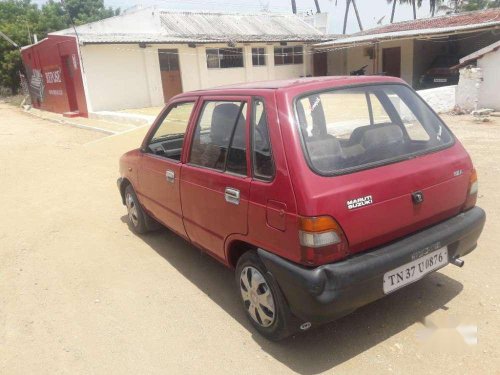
(223, 119)
(375, 135)
(326, 147)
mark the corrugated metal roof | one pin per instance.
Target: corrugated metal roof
(200, 27)
(218, 26)
(427, 26)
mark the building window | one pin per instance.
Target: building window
(224, 58)
(288, 55)
(258, 56)
(169, 60)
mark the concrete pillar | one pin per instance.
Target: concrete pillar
(147, 74)
(247, 63)
(202, 66)
(270, 61)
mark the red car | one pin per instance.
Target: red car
(324, 194)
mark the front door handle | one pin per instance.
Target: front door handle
(170, 175)
(232, 195)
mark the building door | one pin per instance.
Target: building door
(68, 72)
(320, 64)
(170, 73)
(391, 61)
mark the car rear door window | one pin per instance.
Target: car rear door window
(219, 140)
(168, 139)
(263, 165)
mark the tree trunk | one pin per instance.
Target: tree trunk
(393, 10)
(294, 7)
(318, 10)
(357, 14)
(347, 5)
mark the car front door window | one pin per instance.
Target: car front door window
(168, 139)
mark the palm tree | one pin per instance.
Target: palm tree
(348, 5)
(433, 5)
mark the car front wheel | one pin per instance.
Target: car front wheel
(135, 213)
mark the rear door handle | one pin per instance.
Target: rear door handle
(232, 195)
(170, 175)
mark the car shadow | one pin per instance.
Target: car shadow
(320, 349)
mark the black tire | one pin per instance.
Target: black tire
(137, 218)
(281, 326)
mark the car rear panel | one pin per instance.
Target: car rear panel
(442, 177)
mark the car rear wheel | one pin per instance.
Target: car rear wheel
(262, 299)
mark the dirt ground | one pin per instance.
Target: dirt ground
(79, 293)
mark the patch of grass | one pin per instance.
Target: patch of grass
(14, 100)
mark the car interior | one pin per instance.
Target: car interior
(211, 146)
(366, 144)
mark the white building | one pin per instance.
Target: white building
(143, 58)
(479, 87)
(410, 49)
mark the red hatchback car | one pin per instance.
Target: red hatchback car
(323, 193)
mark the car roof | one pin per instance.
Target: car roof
(306, 83)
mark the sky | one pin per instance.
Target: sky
(370, 11)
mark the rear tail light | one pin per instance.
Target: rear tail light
(322, 240)
(471, 198)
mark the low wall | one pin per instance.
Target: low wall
(468, 88)
(441, 99)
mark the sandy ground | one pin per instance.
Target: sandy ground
(150, 111)
(79, 293)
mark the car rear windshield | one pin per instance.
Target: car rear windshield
(356, 128)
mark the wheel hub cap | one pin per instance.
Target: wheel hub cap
(131, 209)
(257, 296)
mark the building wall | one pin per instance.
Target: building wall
(127, 76)
(47, 82)
(489, 88)
(116, 76)
(343, 61)
(337, 63)
(468, 88)
(441, 99)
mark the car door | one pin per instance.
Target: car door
(214, 181)
(160, 167)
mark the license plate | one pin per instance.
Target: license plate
(440, 80)
(415, 270)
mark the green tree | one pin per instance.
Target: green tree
(433, 6)
(18, 20)
(85, 11)
(479, 5)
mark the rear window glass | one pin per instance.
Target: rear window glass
(349, 129)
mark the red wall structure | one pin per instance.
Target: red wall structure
(54, 75)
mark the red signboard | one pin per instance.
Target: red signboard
(54, 75)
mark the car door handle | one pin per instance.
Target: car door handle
(232, 195)
(170, 175)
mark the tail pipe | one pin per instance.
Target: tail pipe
(457, 262)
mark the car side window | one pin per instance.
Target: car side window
(263, 165)
(219, 140)
(168, 139)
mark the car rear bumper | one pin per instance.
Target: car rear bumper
(331, 291)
